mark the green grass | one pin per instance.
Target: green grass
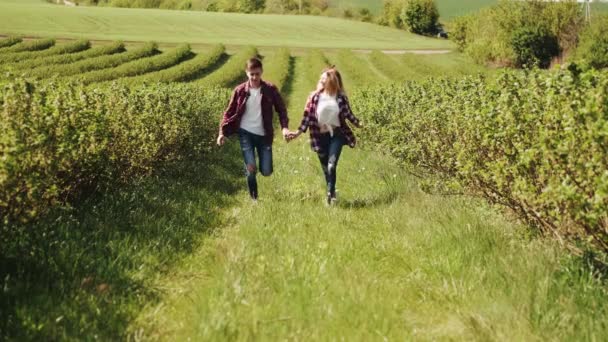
(389, 262)
(35, 18)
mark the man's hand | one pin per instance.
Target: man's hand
(286, 133)
(221, 140)
(292, 135)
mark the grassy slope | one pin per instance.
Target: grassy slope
(34, 17)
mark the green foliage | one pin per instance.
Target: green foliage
(68, 58)
(9, 41)
(232, 72)
(489, 36)
(420, 16)
(96, 63)
(534, 142)
(185, 71)
(61, 139)
(138, 66)
(391, 13)
(68, 48)
(315, 62)
(534, 46)
(32, 45)
(277, 68)
(593, 47)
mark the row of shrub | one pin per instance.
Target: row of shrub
(185, 71)
(277, 68)
(67, 48)
(232, 72)
(31, 45)
(59, 139)
(91, 64)
(9, 41)
(68, 58)
(534, 141)
(139, 66)
(314, 62)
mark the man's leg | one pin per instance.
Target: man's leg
(247, 147)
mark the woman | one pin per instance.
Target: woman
(325, 115)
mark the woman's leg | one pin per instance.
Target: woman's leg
(335, 149)
(248, 149)
(323, 155)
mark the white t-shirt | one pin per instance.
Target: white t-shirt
(327, 113)
(252, 118)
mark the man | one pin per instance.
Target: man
(249, 114)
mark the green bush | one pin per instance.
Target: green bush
(593, 47)
(32, 45)
(533, 141)
(534, 46)
(9, 41)
(420, 16)
(97, 63)
(277, 67)
(489, 35)
(29, 64)
(138, 66)
(59, 139)
(185, 71)
(76, 46)
(232, 72)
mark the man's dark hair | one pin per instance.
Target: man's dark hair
(254, 63)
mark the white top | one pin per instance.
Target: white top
(327, 113)
(252, 118)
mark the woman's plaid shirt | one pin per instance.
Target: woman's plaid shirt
(309, 121)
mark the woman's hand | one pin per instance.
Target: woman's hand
(292, 135)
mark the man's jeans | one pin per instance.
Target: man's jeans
(249, 144)
(329, 154)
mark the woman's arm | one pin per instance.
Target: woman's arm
(348, 113)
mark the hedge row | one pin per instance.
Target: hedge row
(232, 72)
(277, 68)
(67, 58)
(9, 41)
(139, 66)
(314, 63)
(388, 66)
(185, 71)
(536, 142)
(57, 139)
(32, 45)
(76, 46)
(97, 63)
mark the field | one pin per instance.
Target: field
(31, 17)
(121, 220)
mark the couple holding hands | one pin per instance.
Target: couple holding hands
(249, 115)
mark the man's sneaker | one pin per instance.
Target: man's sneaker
(328, 202)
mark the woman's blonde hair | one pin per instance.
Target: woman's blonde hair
(333, 85)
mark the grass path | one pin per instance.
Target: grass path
(389, 262)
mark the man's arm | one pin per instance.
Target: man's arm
(279, 107)
(228, 114)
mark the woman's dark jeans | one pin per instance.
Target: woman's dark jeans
(249, 144)
(329, 154)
